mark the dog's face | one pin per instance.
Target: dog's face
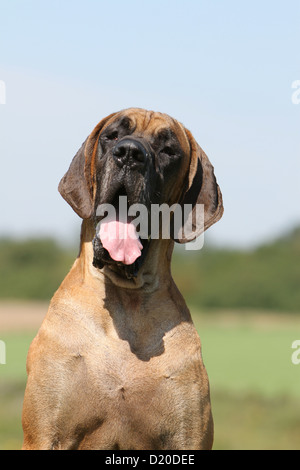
(141, 155)
(151, 159)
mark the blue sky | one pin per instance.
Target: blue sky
(223, 68)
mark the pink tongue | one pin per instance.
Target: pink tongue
(120, 239)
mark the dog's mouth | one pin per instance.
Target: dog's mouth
(118, 241)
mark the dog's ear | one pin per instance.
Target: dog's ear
(73, 186)
(201, 189)
(77, 186)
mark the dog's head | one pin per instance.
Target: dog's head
(150, 159)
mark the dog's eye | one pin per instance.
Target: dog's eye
(168, 151)
(112, 136)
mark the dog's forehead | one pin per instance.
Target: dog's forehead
(153, 123)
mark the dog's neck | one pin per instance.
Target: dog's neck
(154, 272)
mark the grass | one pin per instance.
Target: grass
(255, 387)
(17, 345)
(252, 422)
(11, 393)
(12, 386)
(251, 356)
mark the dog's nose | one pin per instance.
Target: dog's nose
(130, 152)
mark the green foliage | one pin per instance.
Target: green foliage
(266, 278)
(32, 269)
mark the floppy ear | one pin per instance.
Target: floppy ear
(73, 186)
(202, 188)
(78, 184)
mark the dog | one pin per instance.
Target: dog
(117, 364)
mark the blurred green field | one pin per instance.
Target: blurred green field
(255, 387)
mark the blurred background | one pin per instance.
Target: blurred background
(225, 70)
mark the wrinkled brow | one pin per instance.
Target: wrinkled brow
(165, 134)
(123, 121)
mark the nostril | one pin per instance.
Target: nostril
(120, 154)
(119, 151)
(138, 154)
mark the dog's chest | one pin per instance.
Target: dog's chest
(132, 375)
(134, 398)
